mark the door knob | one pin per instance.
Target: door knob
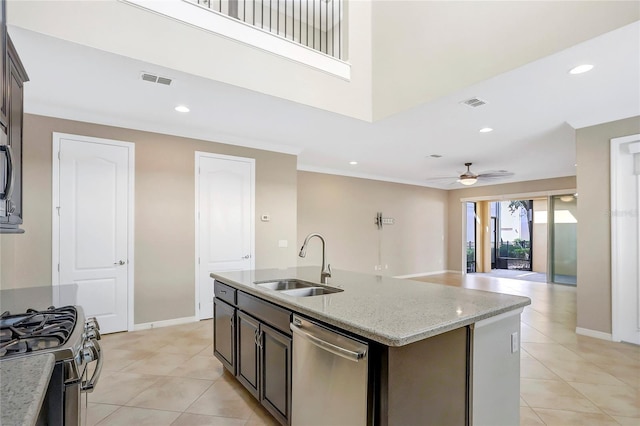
(121, 262)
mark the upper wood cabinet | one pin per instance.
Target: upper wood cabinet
(3, 66)
(12, 77)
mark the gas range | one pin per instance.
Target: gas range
(73, 340)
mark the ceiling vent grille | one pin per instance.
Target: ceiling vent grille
(474, 102)
(152, 78)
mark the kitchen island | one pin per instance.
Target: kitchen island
(438, 354)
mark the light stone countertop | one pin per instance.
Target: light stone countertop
(394, 312)
(23, 385)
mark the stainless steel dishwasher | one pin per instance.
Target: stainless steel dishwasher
(330, 375)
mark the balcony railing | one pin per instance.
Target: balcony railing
(316, 24)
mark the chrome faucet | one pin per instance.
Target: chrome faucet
(326, 272)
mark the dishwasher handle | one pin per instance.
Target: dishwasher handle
(308, 334)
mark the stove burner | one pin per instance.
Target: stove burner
(35, 330)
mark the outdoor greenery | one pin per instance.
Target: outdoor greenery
(517, 248)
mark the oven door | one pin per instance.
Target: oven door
(63, 401)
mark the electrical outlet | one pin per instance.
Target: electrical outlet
(515, 342)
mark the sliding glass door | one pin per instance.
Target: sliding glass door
(563, 237)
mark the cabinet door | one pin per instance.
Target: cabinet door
(15, 139)
(276, 373)
(3, 65)
(248, 359)
(224, 336)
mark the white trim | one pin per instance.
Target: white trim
(234, 29)
(55, 219)
(520, 195)
(498, 317)
(595, 334)
(164, 323)
(424, 274)
(615, 291)
(328, 171)
(197, 156)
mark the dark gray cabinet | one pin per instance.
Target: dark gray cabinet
(12, 77)
(259, 353)
(224, 334)
(275, 354)
(3, 65)
(264, 365)
(248, 355)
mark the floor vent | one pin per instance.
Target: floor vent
(474, 102)
(155, 79)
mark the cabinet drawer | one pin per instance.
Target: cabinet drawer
(224, 292)
(271, 314)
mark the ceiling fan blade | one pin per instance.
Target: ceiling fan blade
(442, 178)
(495, 175)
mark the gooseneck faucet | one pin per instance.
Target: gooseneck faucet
(326, 272)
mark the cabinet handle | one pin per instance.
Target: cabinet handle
(8, 187)
(258, 337)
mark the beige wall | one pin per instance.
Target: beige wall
(164, 214)
(454, 234)
(343, 209)
(594, 226)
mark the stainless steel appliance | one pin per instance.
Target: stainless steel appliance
(73, 340)
(330, 376)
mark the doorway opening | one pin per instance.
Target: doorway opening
(531, 238)
(512, 224)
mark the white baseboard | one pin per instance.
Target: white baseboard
(424, 274)
(593, 333)
(164, 323)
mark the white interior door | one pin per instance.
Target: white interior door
(225, 210)
(625, 238)
(94, 204)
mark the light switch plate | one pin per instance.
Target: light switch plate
(283, 243)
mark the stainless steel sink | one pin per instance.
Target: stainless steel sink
(297, 288)
(288, 284)
(311, 291)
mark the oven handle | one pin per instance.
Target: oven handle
(89, 386)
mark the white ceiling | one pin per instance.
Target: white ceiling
(534, 110)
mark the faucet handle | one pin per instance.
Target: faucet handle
(329, 268)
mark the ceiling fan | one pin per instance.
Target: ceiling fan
(469, 178)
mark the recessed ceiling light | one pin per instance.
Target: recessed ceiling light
(353, 163)
(486, 130)
(182, 108)
(581, 69)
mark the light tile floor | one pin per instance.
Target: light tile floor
(168, 376)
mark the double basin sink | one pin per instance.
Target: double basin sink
(297, 288)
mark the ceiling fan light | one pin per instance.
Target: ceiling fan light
(468, 181)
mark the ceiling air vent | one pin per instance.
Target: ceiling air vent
(474, 102)
(152, 78)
